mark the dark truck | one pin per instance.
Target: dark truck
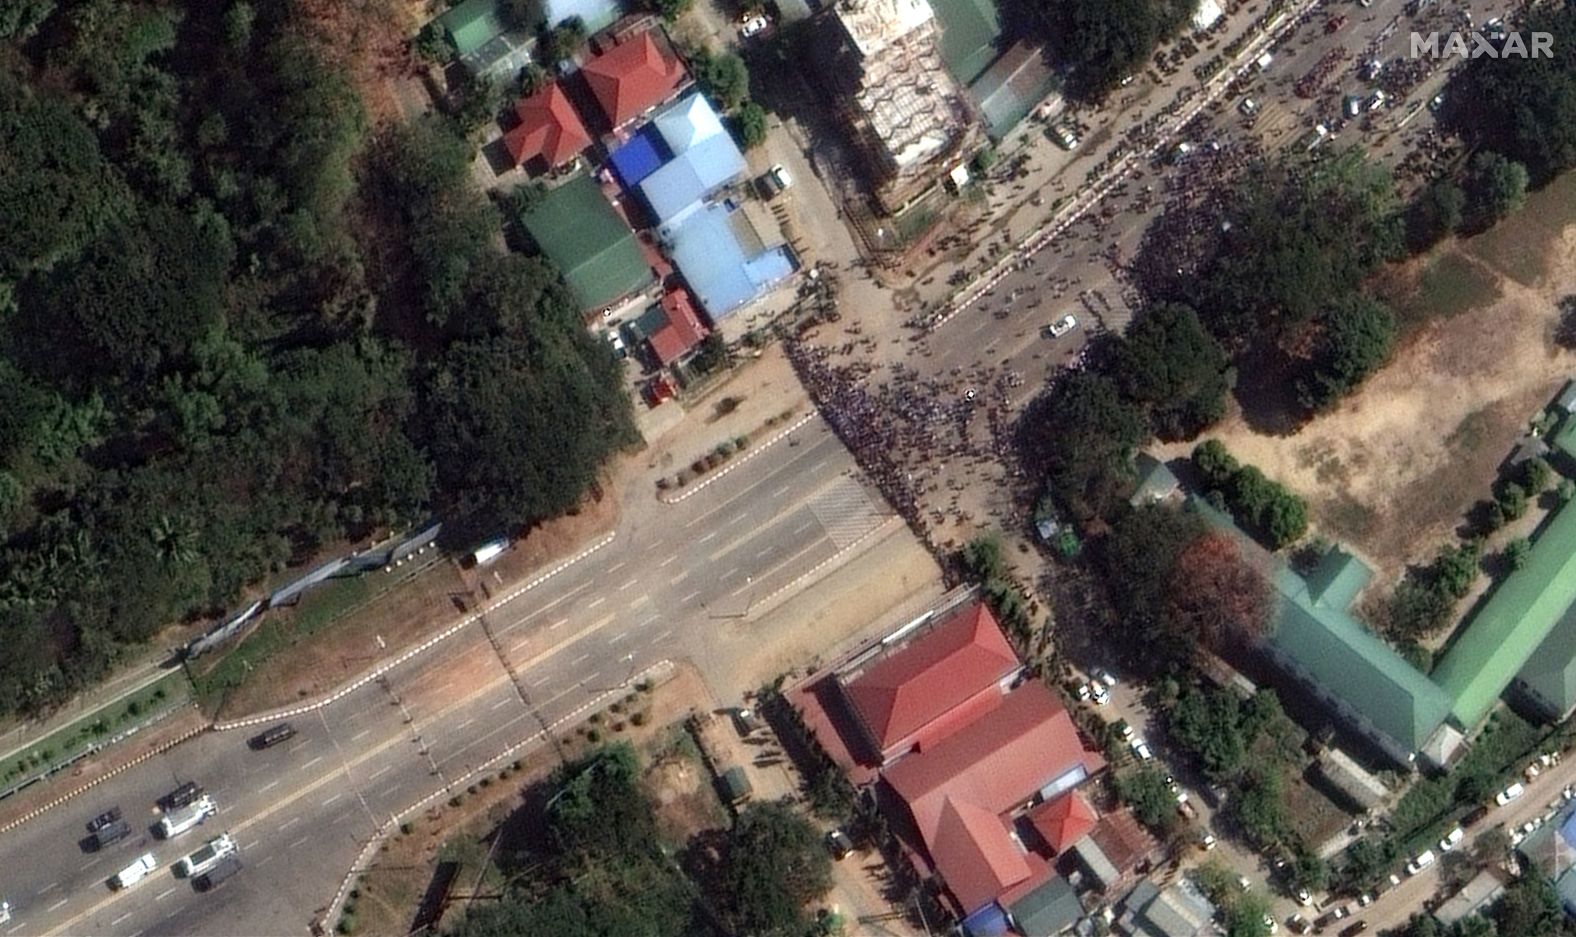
(111, 832)
(227, 867)
(104, 819)
(272, 736)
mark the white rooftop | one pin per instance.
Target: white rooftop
(875, 24)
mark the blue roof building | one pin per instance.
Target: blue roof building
(703, 159)
(722, 259)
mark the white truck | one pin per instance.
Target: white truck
(205, 856)
(184, 818)
(136, 872)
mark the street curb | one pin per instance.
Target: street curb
(715, 476)
(1038, 239)
(322, 924)
(426, 645)
(34, 814)
(816, 569)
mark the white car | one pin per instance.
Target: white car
(616, 342)
(753, 26)
(1104, 676)
(1248, 107)
(1141, 749)
(1533, 770)
(1084, 692)
(1101, 694)
(1207, 841)
(205, 857)
(1509, 794)
(1125, 731)
(1452, 839)
(1270, 927)
(1424, 860)
(1304, 897)
(136, 872)
(1062, 326)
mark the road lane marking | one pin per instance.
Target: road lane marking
(730, 573)
(522, 643)
(47, 889)
(580, 660)
(360, 735)
(644, 599)
(679, 578)
(553, 604)
(782, 491)
(298, 842)
(91, 863)
(465, 723)
(165, 893)
(739, 519)
(499, 705)
(58, 905)
(289, 823)
(558, 624)
(380, 772)
(269, 786)
(388, 790)
(312, 762)
(663, 636)
(252, 844)
(617, 566)
(819, 465)
(803, 527)
(667, 562)
(541, 680)
(264, 860)
(116, 922)
(16, 928)
(332, 799)
(709, 537)
(596, 601)
(618, 637)
(690, 596)
(628, 585)
(765, 553)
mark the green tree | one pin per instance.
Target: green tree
(238, 20)
(564, 40)
(1358, 335)
(749, 125)
(1436, 213)
(671, 10)
(1083, 435)
(1104, 42)
(1516, 553)
(723, 78)
(1456, 568)
(1529, 908)
(1169, 364)
(1259, 808)
(1145, 790)
(1496, 186)
(775, 865)
(1524, 108)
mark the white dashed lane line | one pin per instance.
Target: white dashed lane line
(332, 799)
(380, 772)
(58, 905)
(596, 601)
(165, 893)
(360, 735)
(312, 762)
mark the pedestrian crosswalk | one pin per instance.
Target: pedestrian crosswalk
(846, 511)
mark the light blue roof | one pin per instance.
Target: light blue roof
(676, 189)
(688, 122)
(596, 14)
(708, 253)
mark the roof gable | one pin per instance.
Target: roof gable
(548, 127)
(1063, 821)
(975, 854)
(902, 693)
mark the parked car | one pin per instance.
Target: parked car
(746, 720)
(1304, 897)
(1248, 107)
(1509, 794)
(112, 832)
(1424, 860)
(1101, 694)
(1124, 731)
(1452, 839)
(1365, 899)
(272, 736)
(1141, 748)
(1354, 928)
(1298, 924)
(754, 26)
(104, 819)
(1061, 327)
(1105, 677)
(838, 844)
(1084, 692)
(1207, 841)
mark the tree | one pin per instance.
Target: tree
(1104, 42)
(1259, 808)
(1083, 434)
(1309, 871)
(1524, 108)
(671, 10)
(238, 20)
(1215, 463)
(564, 40)
(1248, 916)
(723, 78)
(1139, 553)
(749, 125)
(1535, 475)
(1529, 908)
(775, 865)
(1169, 364)
(1357, 336)
(1512, 500)
(1496, 186)
(1516, 553)
(1436, 213)
(1217, 599)
(1209, 725)
(1145, 790)
(1456, 568)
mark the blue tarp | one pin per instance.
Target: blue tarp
(637, 159)
(713, 262)
(988, 921)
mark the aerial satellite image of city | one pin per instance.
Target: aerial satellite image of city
(787, 468)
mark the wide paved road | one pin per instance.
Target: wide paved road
(681, 581)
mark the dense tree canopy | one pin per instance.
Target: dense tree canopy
(1103, 41)
(208, 370)
(1170, 364)
(1522, 107)
(1083, 435)
(773, 866)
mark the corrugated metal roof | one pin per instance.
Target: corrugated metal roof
(579, 231)
(1517, 617)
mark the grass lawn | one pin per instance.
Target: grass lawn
(97, 727)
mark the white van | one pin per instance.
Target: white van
(205, 856)
(1424, 860)
(136, 872)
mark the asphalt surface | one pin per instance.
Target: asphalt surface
(679, 581)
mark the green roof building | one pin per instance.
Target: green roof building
(1048, 910)
(1517, 618)
(579, 231)
(1547, 684)
(1010, 89)
(1313, 637)
(471, 25)
(969, 31)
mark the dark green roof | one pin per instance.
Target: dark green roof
(579, 231)
(1518, 616)
(1550, 676)
(1565, 439)
(969, 30)
(1011, 88)
(1047, 910)
(472, 25)
(1316, 633)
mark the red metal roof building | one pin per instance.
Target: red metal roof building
(549, 129)
(961, 793)
(961, 753)
(633, 77)
(952, 674)
(683, 330)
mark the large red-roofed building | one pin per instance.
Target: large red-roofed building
(973, 765)
(632, 78)
(548, 129)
